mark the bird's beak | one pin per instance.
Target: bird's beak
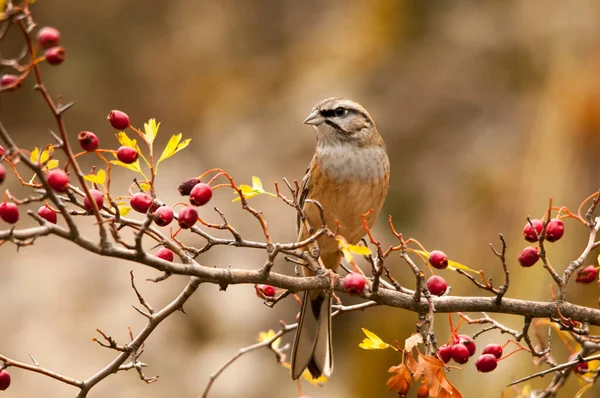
(314, 118)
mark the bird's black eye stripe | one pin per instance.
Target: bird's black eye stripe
(339, 112)
(327, 113)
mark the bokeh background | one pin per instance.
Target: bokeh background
(488, 109)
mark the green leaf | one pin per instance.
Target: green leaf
(252, 191)
(453, 265)
(173, 146)
(98, 178)
(151, 130)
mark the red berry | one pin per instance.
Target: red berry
(55, 55)
(2, 151)
(354, 283)
(58, 180)
(580, 368)
(140, 202)
(468, 342)
(423, 391)
(119, 120)
(437, 285)
(48, 37)
(2, 173)
(4, 380)
(529, 256)
(486, 363)
(163, 216)
(267, 290)
(47, 214)
(10, 82)
(555, 230)
(459, 353)
(494, 349)
(187, 217)
(186, 187)
(438, 259)
(127, 154)
(98, 198)
(88, 141)
(9, 212)
(445, 353)
(586, 275)
(165, 254)
(529, 233)
(200, 194)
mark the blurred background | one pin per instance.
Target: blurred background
(488, 109)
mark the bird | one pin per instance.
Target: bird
(348, 176)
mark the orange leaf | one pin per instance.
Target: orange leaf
(401, 380)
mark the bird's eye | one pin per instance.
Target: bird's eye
(340, 112)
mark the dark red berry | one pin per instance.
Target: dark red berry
(354, 283)
(423, 391)
(437, 285)
(140, 202)
(486, 363)
(445, 353)
(438, 259)
(9, 212)
(554, 230)
(187, 217)
(459, 353)
(2, 151)
(98, 198)
(47, 214)
(10, 82)
(119, 120)
(48, 37)
(586, 275)
(2, 173)
(165, 254)
(200, 194)
(55, 55)
(468, 342)
(494, 349)
(580, 368)
(127, 154)
(88, 141)
(186, 187)
(58, 180)
(529, 256)
(529, 233)
(163, 216)
(267, 290)
(4, 380)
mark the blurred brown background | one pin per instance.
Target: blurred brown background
(488, 109)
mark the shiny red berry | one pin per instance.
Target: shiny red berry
(580, 368)
(165, 254)
(88, 141)
(48, 37)
(437, 285)
(354, 283)
(4, 380)
(468, 342)
(200, 194)
(2, 173)
(140, 202)
(529, 233)
(459, 353)
(494, 349)
(119, 120)
(445, 353)
(554, 230)
(2, 151)
(586, 275)
(486, 363)
(47, 214)
(98, 198)
(438, 259)
(267, 290)
(187, 217)
(10, 82)
(529, 256)
(186, 186)
(9, 212)
(127, 154)
(55, 55)
(163, 216)
(58, 180)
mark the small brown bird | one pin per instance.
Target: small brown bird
(348, 175)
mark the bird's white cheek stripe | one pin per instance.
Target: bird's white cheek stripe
(348, 162)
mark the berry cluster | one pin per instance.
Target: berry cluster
(532, 232)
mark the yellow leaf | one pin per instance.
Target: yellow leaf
(413, 341)
(151, 130)
(347, 249)
(52, 164)
(373, 342)
(123, 210)
(453, 265)
(35, 154)
(135, 166)
(307, 376)
(145, 186)
(46, 153)
(98, 178)
(173, 146)
(268, 335)
(124, 140)
(252, 191)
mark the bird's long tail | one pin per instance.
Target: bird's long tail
(312, 345)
